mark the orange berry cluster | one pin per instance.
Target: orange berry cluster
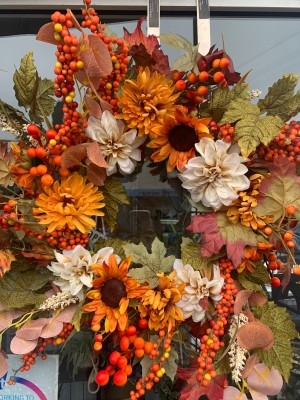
(195, 87)
(109, 84)
(159, 354)
(285, 144)
(39, 351)
(211, 343)
(67, 239)
(273, 263)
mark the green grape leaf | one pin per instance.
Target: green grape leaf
(151, 263)
(280, 99)
(26, 81)
(283, 328)
(251, 128)
(254, 280)
(171, 365)
(221, 98)
(190, 254)
(218, 231)
(43, 103)
(18, 289)
(279, 190)
(114, 195)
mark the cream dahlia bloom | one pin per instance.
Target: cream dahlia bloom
(119, 148)
(74, 268)
(215, 177)
(197, 288)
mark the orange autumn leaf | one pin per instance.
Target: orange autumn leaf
(6, 258)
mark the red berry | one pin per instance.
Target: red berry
(102, 378)
(218, 77)
(113, 357)
(275, 282)
(143, 323)
(120, 378)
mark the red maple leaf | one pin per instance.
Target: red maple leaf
(145, 50)
(193, 389)
(218, 231)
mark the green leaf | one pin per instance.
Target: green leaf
(251, 128)
(114, 195)
(254, 280)
(190, 254)
(283, 328)
(280, 99)
(171, 365)
(17, 289)
(187, 62)
(151, 263)
(76, 320)
(43, 103)
(26, 81)
(221, 98)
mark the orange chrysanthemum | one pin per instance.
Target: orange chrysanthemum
(111, 294)
(160, 303)
(70, 203)
(175, 138)
(241, 210)
(146, 100)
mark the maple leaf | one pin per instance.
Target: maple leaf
(279, 190)
(218, 231)
(193, 390)
(137, 37)
(151, 263)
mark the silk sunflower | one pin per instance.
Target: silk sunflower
(69, 203)
(146, 100)
(175, 138)
(111, 294)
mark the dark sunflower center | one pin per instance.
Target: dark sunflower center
(112, 292)
(183, 137)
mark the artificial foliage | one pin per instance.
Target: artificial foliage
(186, 313)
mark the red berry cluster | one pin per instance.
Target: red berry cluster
(285, 144)
(224, 132)
(194, 87)
(67, 239)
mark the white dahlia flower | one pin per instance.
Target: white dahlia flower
(119, 148)
(215, 177)
(74, 268)
(197, 288)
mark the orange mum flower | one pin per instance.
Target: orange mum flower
(146, 100)
(160, 303)
(176, 137)
(111, 294)
(70, 203)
